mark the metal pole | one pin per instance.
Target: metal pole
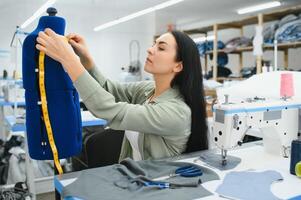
(275, 55)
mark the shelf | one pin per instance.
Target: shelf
(281, 47)
(284, 46)
(236, 51)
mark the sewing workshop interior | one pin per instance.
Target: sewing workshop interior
(150, 100)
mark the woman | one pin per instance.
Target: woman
(163, 118)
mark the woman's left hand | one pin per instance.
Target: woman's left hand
(55, 46)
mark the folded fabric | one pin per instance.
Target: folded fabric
(203, 47)
(125, 181)
(289, 32)
(236, 42)
(249, 185)
(269, 32)
(286, 19)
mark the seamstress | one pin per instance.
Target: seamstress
(163, 118)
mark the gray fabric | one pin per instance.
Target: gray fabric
(248, 185)
(215, 160)
(135, 173)
(236, 42)
(116, 182)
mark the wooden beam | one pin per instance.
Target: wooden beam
(241, 53)
(215, 26)
(286, 58)
(206, 64)
(259, 58)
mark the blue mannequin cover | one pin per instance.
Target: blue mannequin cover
(62, 100)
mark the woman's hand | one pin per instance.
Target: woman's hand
(80, 47)
(58, 48)
(55, 46)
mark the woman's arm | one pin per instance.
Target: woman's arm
(75, 60)
(121, 92)
(57, 47)
(168, 118)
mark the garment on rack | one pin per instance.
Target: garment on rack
(249, 185)
(119, 182)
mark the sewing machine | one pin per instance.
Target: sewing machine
(13, 91)
(279, 122)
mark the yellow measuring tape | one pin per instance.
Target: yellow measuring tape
(298, 169)
(46, 114)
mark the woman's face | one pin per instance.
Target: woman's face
(161, 57)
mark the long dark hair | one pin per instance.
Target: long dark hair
(190, 83)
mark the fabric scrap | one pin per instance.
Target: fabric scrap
(249, 185)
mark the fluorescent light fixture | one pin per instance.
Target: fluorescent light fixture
(258, 7)
(203, 39)
(42, 9)
(137, 14)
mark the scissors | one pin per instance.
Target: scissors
(186, 171)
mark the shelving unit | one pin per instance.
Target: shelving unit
(253, 20)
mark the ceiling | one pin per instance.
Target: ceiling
(188, 13)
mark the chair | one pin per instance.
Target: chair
(100, 148)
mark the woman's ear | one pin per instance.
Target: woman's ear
(178, 67)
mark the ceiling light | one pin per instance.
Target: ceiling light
(137, 14)
(259, 7)
(38, 13)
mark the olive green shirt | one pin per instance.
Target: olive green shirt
(164, 124)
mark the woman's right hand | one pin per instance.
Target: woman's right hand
(80, 48)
